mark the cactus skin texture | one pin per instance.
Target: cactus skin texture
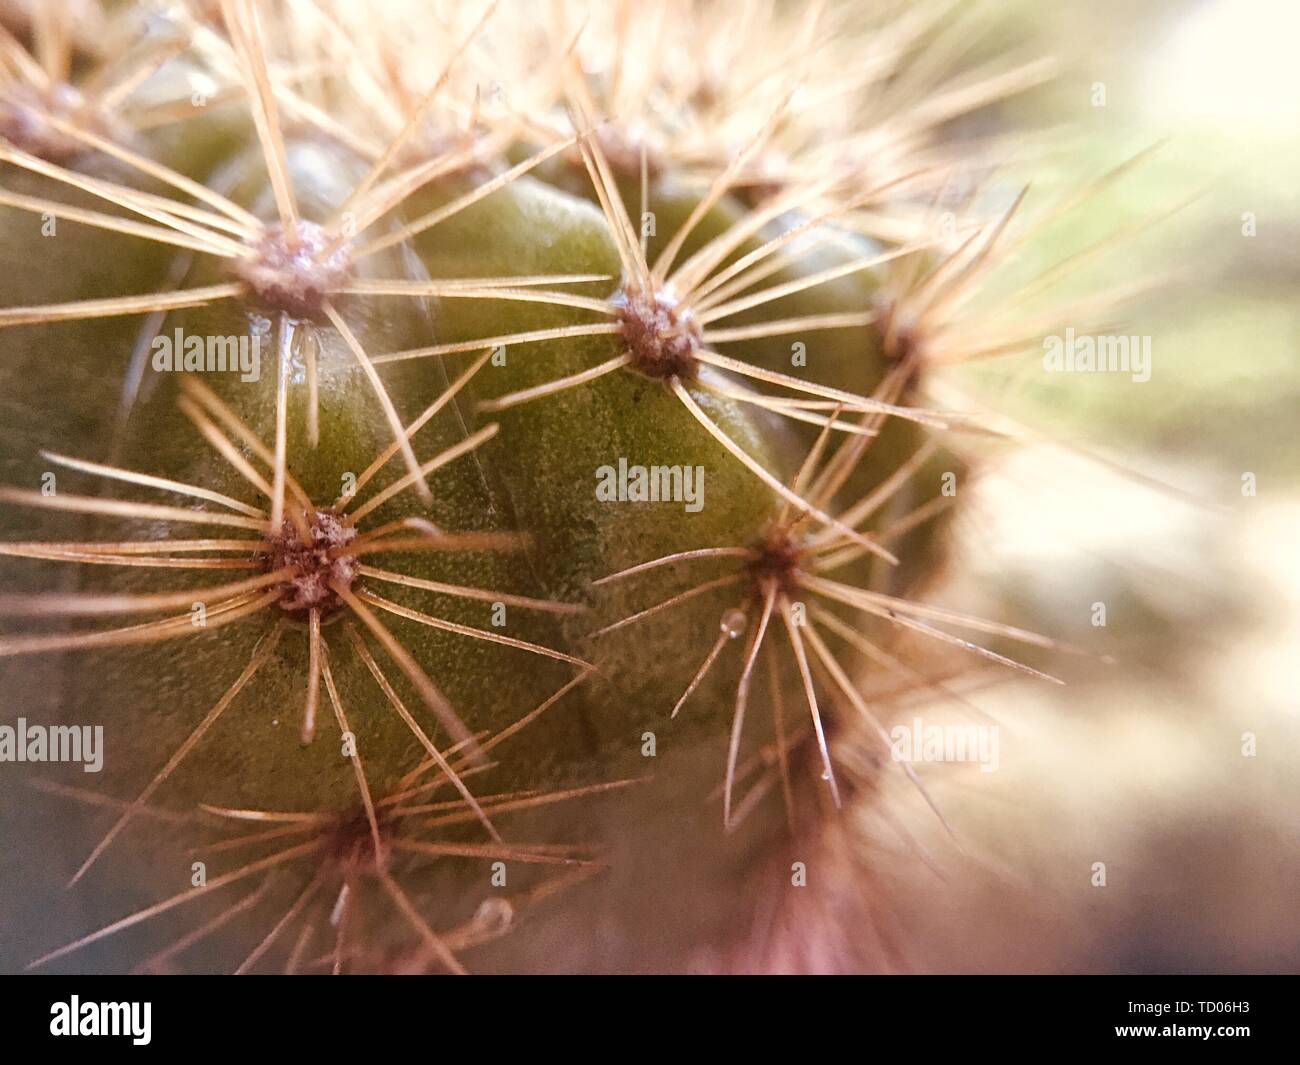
(466, 746)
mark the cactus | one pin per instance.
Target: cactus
(575, 486)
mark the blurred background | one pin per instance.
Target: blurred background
(1137, 495)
